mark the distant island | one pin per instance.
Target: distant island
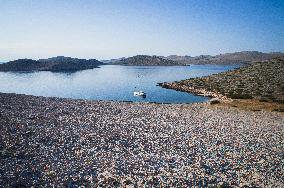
(111, 61)
(261, 81)
(244, 57)
(145, 60)
(68, 64)
(54, 64)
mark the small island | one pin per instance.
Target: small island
(54, 64)
(146, 60)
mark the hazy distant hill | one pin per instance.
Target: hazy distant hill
(179, 58)
(110, 61)
(54, 64)
(244, 57)
(145, 60)
(227, 58)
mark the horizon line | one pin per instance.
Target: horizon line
(106, 59)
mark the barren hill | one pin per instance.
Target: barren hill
(262, 80)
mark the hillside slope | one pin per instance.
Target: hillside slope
(262, 81)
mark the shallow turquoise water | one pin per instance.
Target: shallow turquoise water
(110, 82)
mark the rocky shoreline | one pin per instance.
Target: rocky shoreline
(202, 92)
(69, 143)
(262, 81)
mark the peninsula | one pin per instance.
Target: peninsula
(262, 81)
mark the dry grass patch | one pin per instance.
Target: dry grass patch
(254, 105)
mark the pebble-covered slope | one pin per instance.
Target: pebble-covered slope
(263, 80)
(60, 142)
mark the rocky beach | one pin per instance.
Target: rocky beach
(54, 142)
(142, 94)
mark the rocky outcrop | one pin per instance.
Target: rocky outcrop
(197, 91)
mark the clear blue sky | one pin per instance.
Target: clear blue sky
(106, 29)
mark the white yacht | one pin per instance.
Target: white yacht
(139, 93)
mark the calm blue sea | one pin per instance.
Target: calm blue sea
(110, 82)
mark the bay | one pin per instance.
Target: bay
(110, 82)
